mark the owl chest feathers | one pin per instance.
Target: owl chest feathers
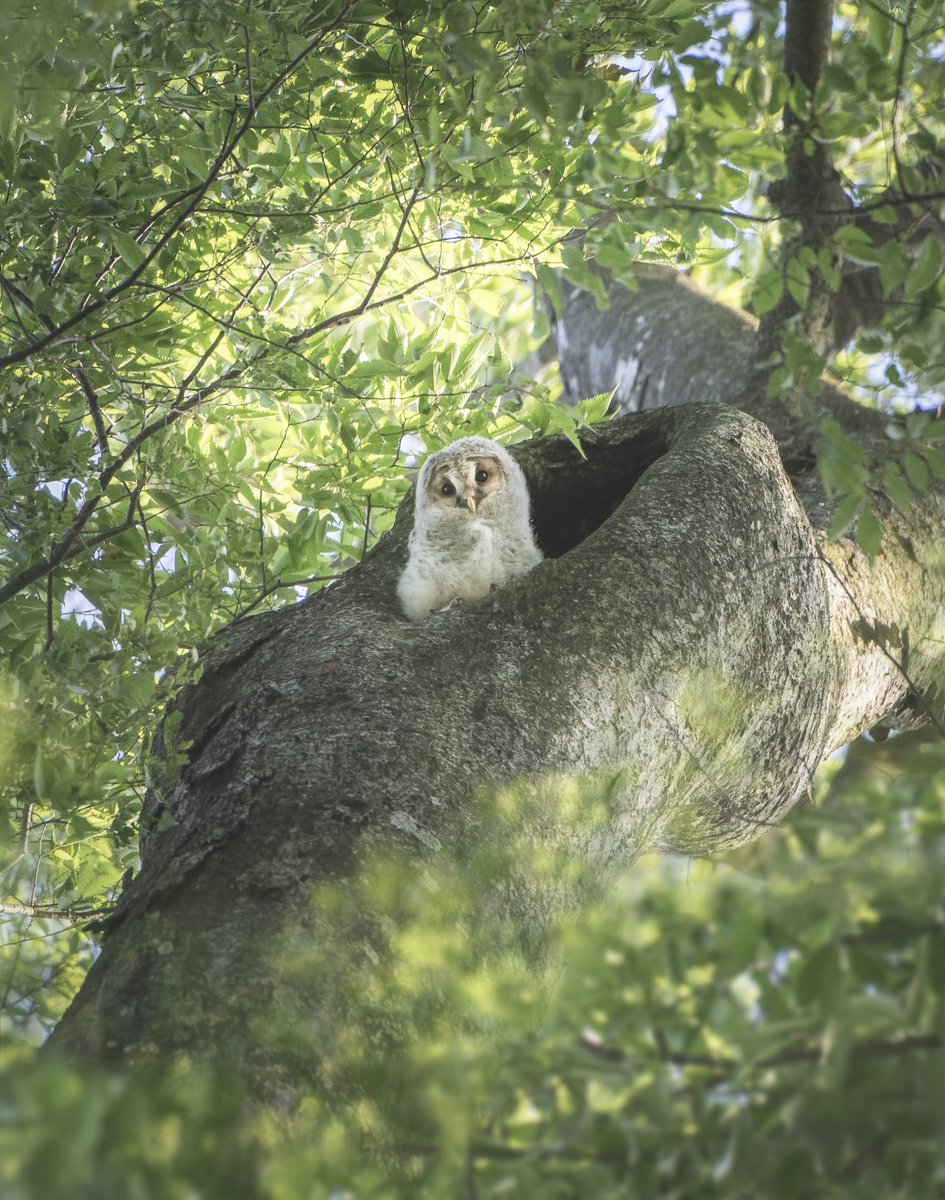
(462, 559)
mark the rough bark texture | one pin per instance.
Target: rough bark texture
(681, 663)
(656, 345)
(893, 601)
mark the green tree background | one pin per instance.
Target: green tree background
(247, 251)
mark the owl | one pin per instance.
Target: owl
(471, 529)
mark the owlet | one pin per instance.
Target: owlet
(471, 529)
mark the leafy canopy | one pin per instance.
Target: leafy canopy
(247, 254)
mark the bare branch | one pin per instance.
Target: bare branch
(870, 1048)
(281, 585)
(50, 912)
(811, 187)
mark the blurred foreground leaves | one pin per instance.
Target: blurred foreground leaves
(717, 1032)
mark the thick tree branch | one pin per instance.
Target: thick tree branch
(671, 676)
(619, 349)
(811, 187)
(806, 47)
(619, 705)
(812, 195)
(892, 199)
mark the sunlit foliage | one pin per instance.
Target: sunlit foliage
(773, 1028)
(247, 254)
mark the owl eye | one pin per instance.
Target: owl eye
(447, 489)
(481, 475)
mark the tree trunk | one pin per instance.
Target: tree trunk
(670, 677)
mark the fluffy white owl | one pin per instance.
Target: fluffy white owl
(472, 529)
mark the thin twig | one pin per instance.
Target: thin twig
(367, 529)
(280, 585)
(152, 593)
(871, 1048)
(898, 99)
(49, 612)
(94, 406)
(51, 912)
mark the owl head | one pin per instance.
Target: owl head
(466, 479)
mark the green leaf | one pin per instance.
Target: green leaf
(926, 267)
(798, 281)
(596, 408)
(766, 293)
(886, 214)
(676, 10)
(131, 252)
(820, 980)
(896, 487)
(936, 460)
(894, 266)
(869, 533)
(195, 160)
(845, 515)
(857, 245)
(917, 472)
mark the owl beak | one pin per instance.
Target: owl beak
(471, 504)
